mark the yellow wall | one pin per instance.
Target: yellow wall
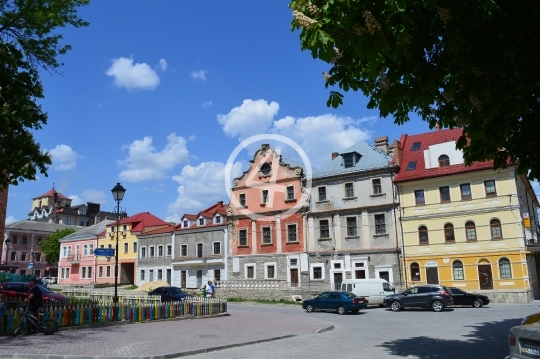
(128, 238)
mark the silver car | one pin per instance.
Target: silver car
(524, 340)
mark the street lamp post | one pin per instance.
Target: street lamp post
(7, 249)
(118, 194)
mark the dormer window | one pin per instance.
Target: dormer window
(444, 161)
(411, 165)
(185, 224)
(82, 212)
(201, 221)
(218, 219)
(415, 146)
(348, 160)
(266, 168)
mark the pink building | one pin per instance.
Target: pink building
(77, 260)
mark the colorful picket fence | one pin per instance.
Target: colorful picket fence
(98, 313)
(126, 298)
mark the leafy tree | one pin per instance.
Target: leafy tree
(459, 64)
(29, 40)
(51, 246)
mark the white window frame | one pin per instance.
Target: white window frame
(187, 250)
(325, 194)
(296, 266)
(199, 221)
(268, 264)
(365, 267)
(162, 253)
(311, 271)
(287, 232)
(268, 201)
(169, 249)
(126, 247)
(216, 220)
(134, 247)
(85, 249)
(142, 274)
(339, 270)
(245, 200)
(373, 186)
(287, 192)
(100, 271)
(108, 271)
(143, 249)
(150, 251)
(246, 265)
(271, 236)
(213, 248)
(185, 223)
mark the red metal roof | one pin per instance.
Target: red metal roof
(209, 212)
(50, 193)
(142, 220)
(429, 139)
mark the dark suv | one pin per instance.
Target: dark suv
(434, 296)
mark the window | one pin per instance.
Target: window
(445, 194)
(348, 160)
(322, 193)
(449, 233)
(505, 270)
(37, 273)
(242, 237)
(169, 250)
(380, 224)
(152, 251)
(317, 273)
(217, 248)
(444, 161)
(415, 272)
(143, 252)
(376, 184)
(419, 197)
(160, 274)
(324, 229)
(415, 146)
(13, 255)
(291, 233)
(411, 166)
(351, 227)
(23, 256)
(495, 226)
(457, 268)
(470, 231)
(185, 224)
(82, 212)
(270, 271)
(199, 249)
(423, 235)
(24, 240)
(37, 257)
(68, 220)
(266, 168)
(293, 262)
(126, 247)
(265, 196)
(218, 219)
(201, 221)
(266, 236)
(160, 251)
(183, 250)
(349, 190)
(250, 272)
(85, 250)
(39, 239)
(465, 191)
(217, 274)
(290, 192)
(242, 199)
(490, 188)
(90, 249)
(14, 239)
(81, 222)
(134, 247)
(100, 272)
(143, 274)
(108, 272)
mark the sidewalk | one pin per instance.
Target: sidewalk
(161, 339)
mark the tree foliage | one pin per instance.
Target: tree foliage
(29, 40)
(51, 246)
(469, 64)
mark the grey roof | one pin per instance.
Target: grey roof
(371, 158)
(88, 232)
(294, 164)
(39, 226)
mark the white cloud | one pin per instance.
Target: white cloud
(207, 104)
(95, 196)
(200, 187)
(10, 219)
(250, 118)
(163, 65)
(144, 162)
(199, 75)
(132, 76)
(63, 158)
(75, 200)
(192, 138)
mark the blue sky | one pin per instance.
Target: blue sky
(156, 95)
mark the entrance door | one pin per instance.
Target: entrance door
(294, 277)
(432, 275)
(338, 278)
(169, 276)
(199, 278)
(183, 279)
(485, 277)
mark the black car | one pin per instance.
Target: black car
(169, 294)
(463, 298)
(341, 302)
(434, 296)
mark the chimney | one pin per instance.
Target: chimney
(220, 203)
(382, 143)
(398, 152)
(334, 155)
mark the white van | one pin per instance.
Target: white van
(374, 290)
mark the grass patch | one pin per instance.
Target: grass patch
(131, 287)
(56, 290)
(262, 301)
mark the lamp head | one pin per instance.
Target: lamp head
(118, 192)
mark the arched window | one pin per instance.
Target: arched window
(415, 272)
(470, 231)
(457, 266)
(423, 235)
(444, 161)
(449, 233)
(505, 270)
(496, 232)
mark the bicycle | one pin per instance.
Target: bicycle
(47, 327)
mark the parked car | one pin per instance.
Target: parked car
(49, 280)
(434, 296)
(461, 297)
(374, 290)
(342, 302)
(42, 283)
(16, 290)
(524, 339)
(169, 294)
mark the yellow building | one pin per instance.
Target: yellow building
(466, 226)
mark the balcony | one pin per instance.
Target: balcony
(73, 259)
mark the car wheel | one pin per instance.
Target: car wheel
(478, 303)
(355, 311)
(341, 310)
(395, 306)
(310, 308)
(437, 306)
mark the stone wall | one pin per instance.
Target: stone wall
(510, 296)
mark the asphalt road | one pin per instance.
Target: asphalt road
(379, 333)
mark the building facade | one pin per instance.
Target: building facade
(352, 220)
(466, 226)
(3, 216)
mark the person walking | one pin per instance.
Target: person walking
(213, 289)
(209, 291)
(35, 301)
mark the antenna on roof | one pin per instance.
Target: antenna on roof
(53, 185)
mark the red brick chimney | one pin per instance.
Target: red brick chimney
(334, 155)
